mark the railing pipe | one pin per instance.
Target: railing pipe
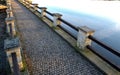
(69, 24)
(112, 64)
(48, 18)
(117, 53)
(49, 13)
(67, 32)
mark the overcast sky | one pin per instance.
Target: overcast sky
(109, 9)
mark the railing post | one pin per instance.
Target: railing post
(55, 20)
(22, 1)
(35, 7)
(13, 46)
(82, 39)
(9, 13)
(29, 1)
(10, 21)
(9, 4)
(43, 13)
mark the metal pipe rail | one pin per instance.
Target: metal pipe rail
(45, 11)
(48, 18)
(38, 11)
(67, 32)
(112, 64)
(39, 7)
(69, 24)
(117, 53)
(49, 13)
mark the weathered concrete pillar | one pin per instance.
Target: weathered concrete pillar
(35, 7)
(30, 1)
(21, 1)
(55, 20)
(10, 21)
(43, 13)
(9, 13)
(8, 2)
(9, 6)
(13, 46)
(25, 3)
(29, 4)
(83, 40)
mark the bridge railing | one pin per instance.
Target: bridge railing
(85, 34)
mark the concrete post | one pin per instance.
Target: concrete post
(55, 20)
(21, 1)
(25, 3)
(13, 46)
(29, 5)
(9, 21)
(82, 39)
(9, 6)
(43, 13)
(35, 7)
(30, 1)
(9, 13)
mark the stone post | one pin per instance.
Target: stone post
(82, 39)
(9, 13)
(30, 1)
(21, 1)
(55, 20)
(25, 3)
(10, 21)
(9, 5)
(29, 5)
(43, 13)
(13, 46)
(35, 7)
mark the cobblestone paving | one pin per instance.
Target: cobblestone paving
(49, 53)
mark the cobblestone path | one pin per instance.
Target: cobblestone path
(49, 53)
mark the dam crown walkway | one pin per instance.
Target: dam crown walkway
(49, 53)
